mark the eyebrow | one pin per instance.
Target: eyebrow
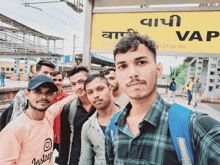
(141, 57)
(120, 62)
(136, 59)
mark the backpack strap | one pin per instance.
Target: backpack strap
(178, 120)
(112, 126)
(71, 117)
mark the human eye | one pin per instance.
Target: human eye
(123, 66)
(112, 78)
(141, 62)
(50, 92)
(101, 88)
(38, 91)
(89, 92)
(73, 84)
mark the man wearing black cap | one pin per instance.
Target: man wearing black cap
(28, 139)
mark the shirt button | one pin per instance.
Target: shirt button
(134, 142)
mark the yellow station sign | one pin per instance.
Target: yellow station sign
(172, 31)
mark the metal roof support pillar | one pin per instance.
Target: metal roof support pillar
(86, 59)
(26, 67)
(34, 43)
(16, 67)
(213, 79)
(37, 44)
(55, 62)
(54, 46)
(62, 45)
(48, 45)
(12, 42)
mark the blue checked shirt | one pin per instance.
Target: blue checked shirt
(153, 144)
(197, 87)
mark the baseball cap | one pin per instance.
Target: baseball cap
(38, 80)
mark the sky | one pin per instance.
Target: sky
(59, 20)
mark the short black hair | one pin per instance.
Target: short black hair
(78, 69)
(173, 79)
(92, 77)
(107, 71)
(192, 78)
(54, 73)
(132, 41)
(45, 63)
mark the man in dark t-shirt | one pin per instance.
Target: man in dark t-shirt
(84, 110)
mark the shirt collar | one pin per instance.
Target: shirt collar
(78, 102)
(152, 117)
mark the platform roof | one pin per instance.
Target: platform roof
(19, 27)
(108, 3)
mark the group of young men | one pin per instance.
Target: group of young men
(142, 134)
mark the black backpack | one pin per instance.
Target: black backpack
(5, 116)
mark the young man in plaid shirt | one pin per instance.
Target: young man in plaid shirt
(196, 90)
(142, 135)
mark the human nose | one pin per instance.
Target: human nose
(78, 86)
(133, 73)
(43, 96)
(96, 95)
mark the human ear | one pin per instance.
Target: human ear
(27, 94)
(159, 69)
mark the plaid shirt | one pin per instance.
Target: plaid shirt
(153, 144)
(196, 87)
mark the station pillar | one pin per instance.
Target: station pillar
(16, 74)
(25, 76)
(212, 90)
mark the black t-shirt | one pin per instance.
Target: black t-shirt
(81, 117)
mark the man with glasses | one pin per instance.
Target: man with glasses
(59, 95)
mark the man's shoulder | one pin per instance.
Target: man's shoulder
(19, 124)
(203, 120)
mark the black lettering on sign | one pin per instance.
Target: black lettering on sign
(163, 21)
(180, 36)
(211, 34)
(196, 35)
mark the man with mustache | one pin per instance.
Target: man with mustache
(28, 139)
(118, 95)
(93, 131)
(19, 103)
(59, 95)
(84, 109)
(142, 135)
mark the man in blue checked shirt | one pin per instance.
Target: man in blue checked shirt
(196, 89)
(142, 135)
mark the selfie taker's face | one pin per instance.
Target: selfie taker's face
(137, 72)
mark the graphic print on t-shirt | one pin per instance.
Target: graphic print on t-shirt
(45, 157)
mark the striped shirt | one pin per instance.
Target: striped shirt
(196, 87)
(153, 144)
